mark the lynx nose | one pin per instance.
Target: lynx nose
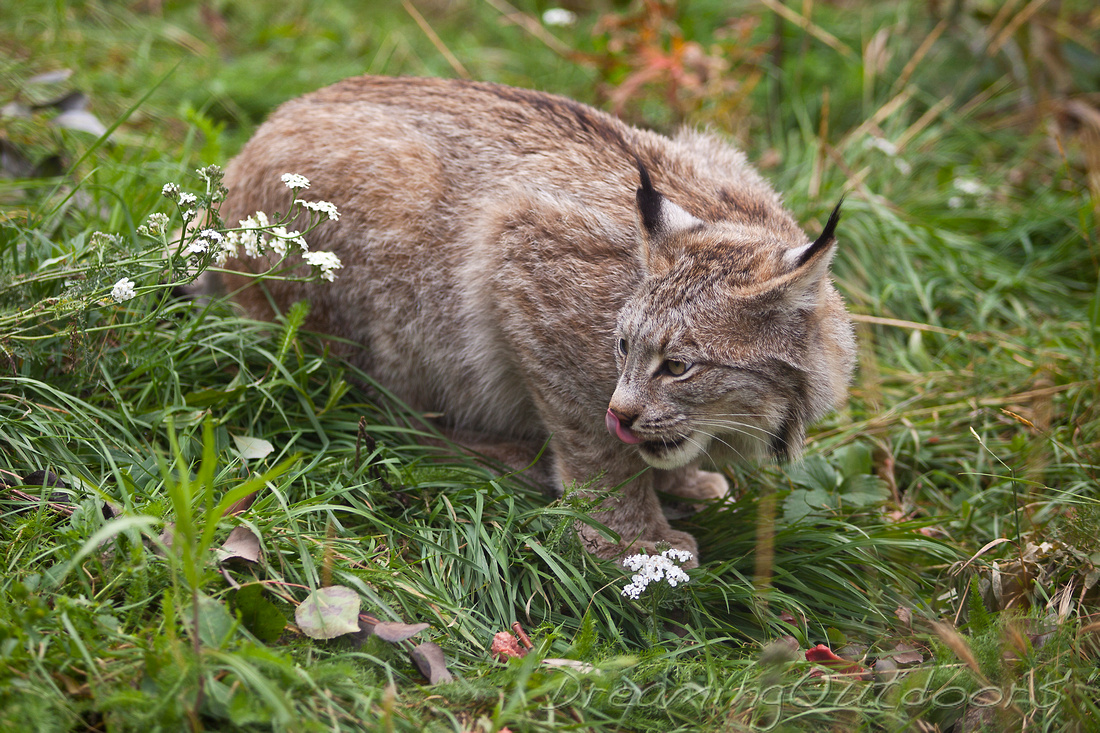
(616, 426)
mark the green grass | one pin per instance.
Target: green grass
(969, 258)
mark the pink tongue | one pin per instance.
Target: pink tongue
(615, 428)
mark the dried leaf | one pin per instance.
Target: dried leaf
(905, 654)
(75, 115)
(241, 504)
(905, 615)
(252, 449)
(580, 666)
(167, 537)
(886, 669)
(823, 655)
(329, 612)
(50, 77)
(395, 631)
(429, 659)
(242, 544)
(506, 646)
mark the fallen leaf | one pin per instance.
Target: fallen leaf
(886, 669)
(252, 449)
(823, 655)
(905, 654)
(569, 664)
(167, 537)
(50, 77)
(242, 544)
(395, 631)
(429, 659)
(48, 479)
(905, 615)
(506, 646)
(329, 612)
(241, 504)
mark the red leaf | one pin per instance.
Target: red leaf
(824, 655)
(505, 646)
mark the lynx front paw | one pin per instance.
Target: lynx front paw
(617, 551)
(696, 485)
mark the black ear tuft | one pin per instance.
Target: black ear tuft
(649, 201)
(826, 238)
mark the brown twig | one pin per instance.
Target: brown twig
(523, 637)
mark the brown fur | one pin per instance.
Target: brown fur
(499, 243)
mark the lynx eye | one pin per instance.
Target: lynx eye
(622, 346)
(676, 368)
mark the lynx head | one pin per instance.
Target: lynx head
(734, 341)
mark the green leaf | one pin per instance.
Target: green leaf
(801, 503)
(854, 459)
(260, 616)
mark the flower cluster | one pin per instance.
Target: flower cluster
(123, 290)
(294, 181)
(655, 568)
(154, 226)
(969, 187)
(256, 234)
(326, 262)
(208, 242)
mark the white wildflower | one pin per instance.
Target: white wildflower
(251, 236)
(326, 261)
(228, 249)
(212, 235)
(210, 172)
(280, 237)
(278, 241)
(970, 186)
(186, 199)
(882, 144)
(955, 202)
(324, 207)
(154, 226)
(654, 568)
(170, 191)
(559, 16)
(123, 290)
(204, 241)
(295, 181)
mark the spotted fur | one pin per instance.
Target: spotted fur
(533, 268)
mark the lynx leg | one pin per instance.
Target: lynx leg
(630, 508)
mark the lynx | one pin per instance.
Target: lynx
(537, 270)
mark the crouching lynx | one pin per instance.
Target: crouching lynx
(533, 268)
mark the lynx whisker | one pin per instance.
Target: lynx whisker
(737, 428)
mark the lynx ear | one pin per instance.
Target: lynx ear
(809, 265)
(818, 253)
(660, 220)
